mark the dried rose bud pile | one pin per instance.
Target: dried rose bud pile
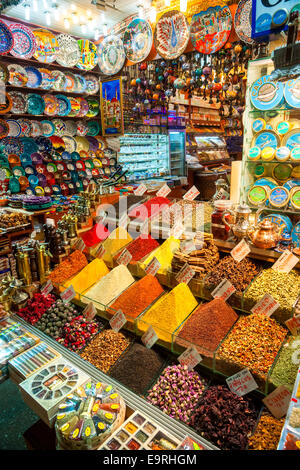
(36, 307)
(177, 392)
(77, 333)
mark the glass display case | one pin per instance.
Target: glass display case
(144, 155)
(177, 152)
(206, 147)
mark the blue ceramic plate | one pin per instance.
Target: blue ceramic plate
(29, 144)
(6, 40)
(12, 145)
(44, 144)
(94, 128)
(48, 128)
(34, 77)
(25, 159)
(14, 185)
(29, 170)
(35, 104)
(64, 105)
(33, 180)
(14, 128)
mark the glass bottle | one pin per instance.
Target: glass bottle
(219, 230)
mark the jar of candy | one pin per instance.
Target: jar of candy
(219, 230)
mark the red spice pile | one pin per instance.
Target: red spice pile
(69, 267)
(150, 208)
(140, 247)
(36, 307)
(208, 325)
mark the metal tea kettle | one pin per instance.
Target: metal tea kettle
(241, 220)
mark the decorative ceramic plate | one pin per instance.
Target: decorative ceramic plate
(93, 107)
(82, 144)
(26, 127)
(6, 39)
(111, 55)
(48, 128)
(243, 21)
(64, 105)
(19, 102)
(29, 145)
(92, 84)
(71, 128)
(12, 145)
(60, 80)
(94, 128)
(93, 144)
(34, 77)
(84, 107)
(75, 107)
(69, 53)
(14, 128)
(70, 84)
(35, 104)
(6, 107)
(51, 105)
(60, 126)
(36, 129)
(101, 142)
(88, 55)
(81, 83)
(4, 128)
(47, 46)
(171, 34)
(210, 29)
(138, 40)
(70, 143)
(58, 143)
(4, 73)
(47, 79)
(17, 75)
(24, 41)
(44, 144)
(82, 128)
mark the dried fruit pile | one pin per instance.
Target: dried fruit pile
(54, 319)
(36, 307)
(78, 332)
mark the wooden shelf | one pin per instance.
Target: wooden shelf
(44, 91)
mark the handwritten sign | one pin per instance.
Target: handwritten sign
(152, 267)
(68, 294)
(140, 190)
(185, 274)
(149, 338)
(90, 311)
(293, 325)
(47, 288)
(240, 251)
(190, 358)
(224, 290)
(266, 305)
(191, 194)
(100, 251)
(124, 257)
(286, 262)
(177, 230)
(278, 401)
(163, 191)
(242, 382)
(118, 321)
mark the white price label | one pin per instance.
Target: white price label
(149, 338)
(293, 325)
(68, 294)
(190, 358)
(278, 401)
(47, 288)
(266, 305)
(100, 251)
(163, 191)
(242, 382)
(118, 321)
(286, 262)
(124, 221)
(50, 222)
(79, 244)
(124, 257)
(185, 274)
(177, 230)
(240, 251)
(187, 246)
(90, 311)
(191, 194)
(152, 267)
(224, 290)
(140, 190)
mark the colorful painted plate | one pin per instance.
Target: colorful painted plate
(64, 105)
(6, 107)
(92, 84)
(88, 55)
(243, 21)
(24, 41)
(210, 29)
(29, 145)
(6, 39)
(82, 128)
(69, 53)
(94, 128)
(26, 127)
(70, 82)
(47, 79)
(70, 143)
(94, 107)
(47, 46)
(12, 145)
(34, 77)
(58, 143)
(84, 107)
(51, 105)
(93, 144)
(48, 128)
(4, 129)
(4, 73)
(60, 80)
(17, 75)
(82, 143)
(60, 126)
(35, 104)
(36, 129)
(75, 107)
(292, 139)
(81, 83)
(19, 102)
(71, 128)
(14, 128)
(111, 55)
(137, 40)
(44, 144)
(171, 34)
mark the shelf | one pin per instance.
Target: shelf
(289, 162)
(43, 91)
(44, 116)
(255, 112)
(273, 209)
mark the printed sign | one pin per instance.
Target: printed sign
(90, 311)
(270, 15)
(152, 267)
(140, 190)
(191, 194)
(224, 290)
(266, 305)
(149, 338)
(240, 251)
(278, 401)
(68, 294)
(100, 251)
(185, 274)
(47, 288)
(163, 191)
(242, 382)
(190, 358)
(118, 321)
(124, 257)
(293, 325)
(286, 262)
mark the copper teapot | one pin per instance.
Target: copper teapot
(265, 235)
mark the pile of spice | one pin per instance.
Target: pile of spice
(201, 260)
(134, 300)
(105, 349)
(76, 333)
(68, 268)
(287, 364)
(36, 307)
(253, 342)
(169, 312)
(150, 208)
(207, 326)
(239, 274)
(118, 239)
(267, 433)
(177, 392)
(90, 274)
(110, 286)
(283, 287)
(164, 255)
(95, 235)
(141, 247)
(224, 418)
(137, 368)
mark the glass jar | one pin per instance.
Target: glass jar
(219, 230)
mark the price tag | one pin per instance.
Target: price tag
(224, 290)
(286, 262)
(124, 257)
(242, 382)
(266, 305)
(293, 325)
(47, 288)
(240, 251)
(140, 190)
(185, 274)
(190, 358)
(177, 230)
(278, 401)
(190, 444)
(68, 294)
(152, 267)
(79, 244)
(90, 311)
(124, 221)
(163, 191)
(118, 321)
(50, 222)
(191, 194)
(187, 246)
(149, 338)
(100, 251)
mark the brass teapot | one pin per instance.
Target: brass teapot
(265, 235)
(241, 221)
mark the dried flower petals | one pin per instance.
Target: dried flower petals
(267, 433)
